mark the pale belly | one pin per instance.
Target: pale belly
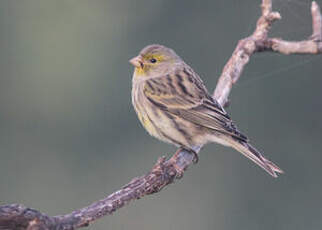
(165, 126)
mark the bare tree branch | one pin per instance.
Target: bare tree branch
(313, 45)
(164, 172)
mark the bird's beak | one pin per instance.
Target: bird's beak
(137, 62)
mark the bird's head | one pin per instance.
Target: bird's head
(154, 60)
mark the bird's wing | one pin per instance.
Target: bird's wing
(186, 96)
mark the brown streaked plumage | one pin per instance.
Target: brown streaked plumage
(173, 105)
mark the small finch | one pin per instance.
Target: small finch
(174, 106)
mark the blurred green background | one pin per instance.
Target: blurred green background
(69, 134)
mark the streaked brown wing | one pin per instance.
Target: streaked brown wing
(185, 96)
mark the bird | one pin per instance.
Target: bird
(174, 106)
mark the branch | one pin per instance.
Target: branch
(260, 42)
(164, 172)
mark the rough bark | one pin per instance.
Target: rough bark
(164, 172)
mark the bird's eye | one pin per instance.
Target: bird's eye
(153, 60)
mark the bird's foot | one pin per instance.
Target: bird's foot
(195, 158)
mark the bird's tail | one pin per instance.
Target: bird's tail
(253, 154)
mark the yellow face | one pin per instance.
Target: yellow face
(149, 61)
(154, 60)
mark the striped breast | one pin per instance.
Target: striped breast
(155, 118)
(144, 113)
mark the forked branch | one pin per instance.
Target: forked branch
(164, 172)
